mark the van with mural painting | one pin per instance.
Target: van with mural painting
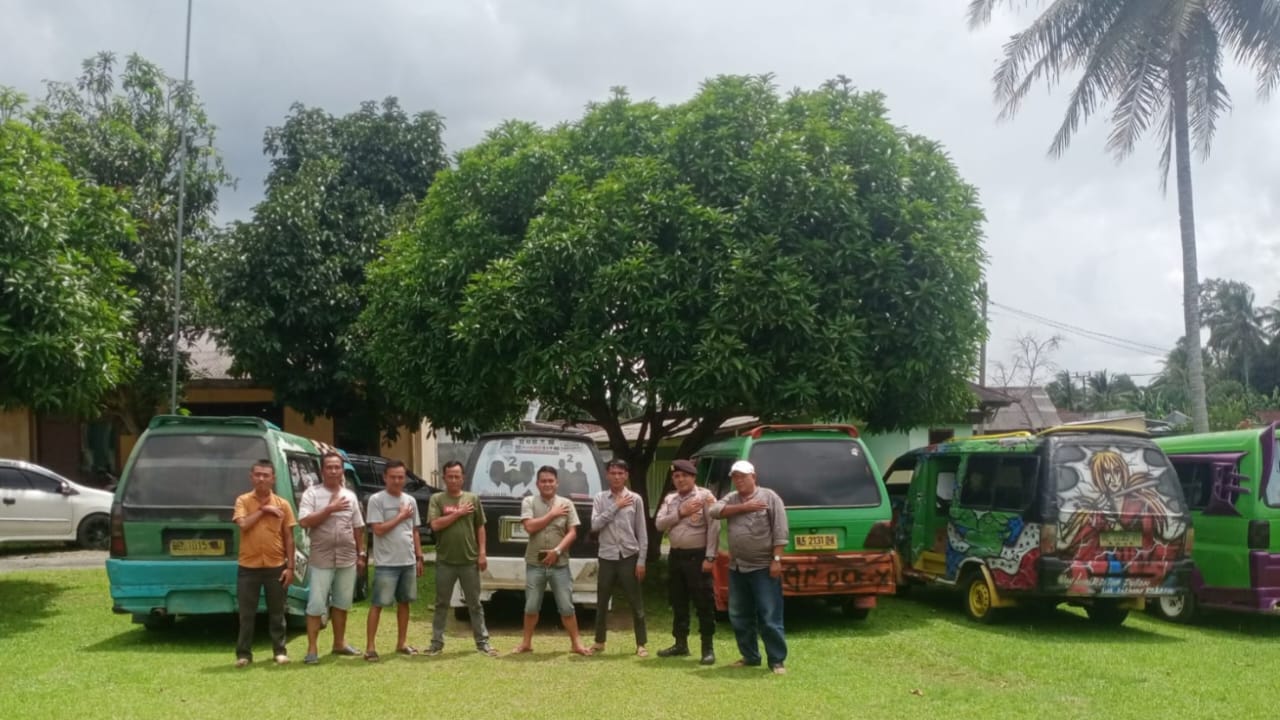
(1232, 484)
(1090, 516)
(501, 470)
(174, 547)
(837, 509)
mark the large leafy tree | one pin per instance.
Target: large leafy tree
(121, 130)
(65, 310)
(1159, 64)
(740, 253)
(291, 282)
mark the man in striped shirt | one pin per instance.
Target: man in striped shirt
(617, 514)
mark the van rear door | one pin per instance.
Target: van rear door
(1121, 518)
(180, 492)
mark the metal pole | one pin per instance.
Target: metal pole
(182, 201)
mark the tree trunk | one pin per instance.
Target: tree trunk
(1187, 226)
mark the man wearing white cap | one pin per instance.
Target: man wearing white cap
(758, 533)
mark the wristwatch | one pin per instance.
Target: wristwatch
(364, 554)
(777, 558)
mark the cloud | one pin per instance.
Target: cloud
(1080, 239)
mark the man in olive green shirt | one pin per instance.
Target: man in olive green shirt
(552, 523)
(457, 519)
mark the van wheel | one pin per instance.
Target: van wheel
(1175, 608)
(1106, 612)
(852, 611)
(157, 623)
(94, 532)
(978, 600)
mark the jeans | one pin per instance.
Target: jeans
(536, 578)
(688, 582)
(619, 572)
(755, 606)
(446, 576)
(250, 585)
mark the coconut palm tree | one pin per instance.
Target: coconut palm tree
(1158, 63)
(1235, 326)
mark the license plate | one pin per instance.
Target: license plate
(513, 530)
(1121, 539)
(816, 542)
(194, 546)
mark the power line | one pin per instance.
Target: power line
(1123, 346)
(1097, 336)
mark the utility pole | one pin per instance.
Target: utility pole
(182, 201)
(982, 355)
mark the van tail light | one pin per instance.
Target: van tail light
(1259, 534)
(880, 536)
(1048, 539)
(117, 531)
(1190, 542)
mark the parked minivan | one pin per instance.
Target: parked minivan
(1232, 484)
(1091, 516)
(501, 470)
(841, 544)
(174, 548)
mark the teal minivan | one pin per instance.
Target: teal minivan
(841, 545)
(173, 545)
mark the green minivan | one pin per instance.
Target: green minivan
(841, 544)
(174, 548)
(1232, 484)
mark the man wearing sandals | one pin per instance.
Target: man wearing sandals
(618, 516)
(331, 515)
(457, 519)
(397, 558)
(758, 533)
(265, 564)
(552, 523)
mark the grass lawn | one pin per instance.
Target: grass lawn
(66, 655)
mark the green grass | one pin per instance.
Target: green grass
(66, 655)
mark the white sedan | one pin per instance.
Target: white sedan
(38, 504)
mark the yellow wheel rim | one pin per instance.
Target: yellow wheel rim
(979, 598)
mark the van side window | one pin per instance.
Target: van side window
(13, 479)
(999, 482)
(713, 473)
(304, 471)
(979, 476)
(1196, 478)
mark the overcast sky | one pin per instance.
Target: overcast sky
(1080, 240)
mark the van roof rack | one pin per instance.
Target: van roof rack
(244, 420)
(1093, 428)
(759, 430)
(998, 436)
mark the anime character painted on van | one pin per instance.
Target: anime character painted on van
(841, 544)
(174, 547)
(1088, 516)
(1232, 484)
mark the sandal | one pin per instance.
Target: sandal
(371, 656)
(348, 651)
(407, 650)
(597, 648)
(641, 652)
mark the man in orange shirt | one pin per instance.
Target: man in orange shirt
(266, 560)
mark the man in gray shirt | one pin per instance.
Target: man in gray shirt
(397, 558)
(758, 533)
(617, 514)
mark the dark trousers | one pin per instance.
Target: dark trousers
(619, 572)
(250, 584)
(688, 582)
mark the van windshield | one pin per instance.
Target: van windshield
(507, 467)
(807, 473)
(192, 470)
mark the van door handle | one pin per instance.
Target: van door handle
(9, 501)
